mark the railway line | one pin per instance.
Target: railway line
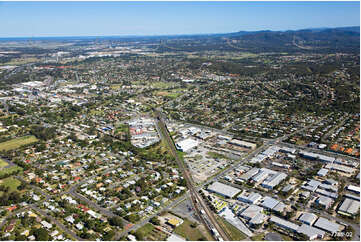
(202, 210)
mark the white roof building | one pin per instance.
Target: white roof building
(311, 232)
(349, 207)
(223, 189)
(308, 218)
(187, 144)
(327, 225)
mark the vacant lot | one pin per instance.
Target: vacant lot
(17, 142)
(187, 231)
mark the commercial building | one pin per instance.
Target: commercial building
(284, 224)
(249, 174)
(322, 172)
(273, 204)
(325, 202)
(253, 214)
(327, 225)
(326, 193)
(311, 185)
(251, 198)
(288, 150)
(273, 180)
(242, 143)
(314, 156)
(187, 144)
(349, 207)
(341, 168)
(354, 189)
(311, 232)
(308, 218)
(351, 196)
(223, 190)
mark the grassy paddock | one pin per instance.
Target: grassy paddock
(10, 170)
(17, 142)
(186, 231)
(11, 183)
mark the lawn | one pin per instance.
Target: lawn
(17, 142)
(186, 231)
(232, 231)
(10, 182)
(258, 237)
(3, 163)
(10, 170)
(168, 94)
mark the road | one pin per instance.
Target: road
(38, 189)
(60, 225)
(199, 205)
(143, 222)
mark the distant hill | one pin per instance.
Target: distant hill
(325, 40)
(315, 40)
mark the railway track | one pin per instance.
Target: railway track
(201, 208)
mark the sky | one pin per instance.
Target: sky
(40, 19)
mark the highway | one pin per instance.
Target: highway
(200, 207)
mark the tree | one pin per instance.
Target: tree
(155, 221)
(41, 234)
(116, 221)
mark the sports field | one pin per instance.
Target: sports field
(17, 142)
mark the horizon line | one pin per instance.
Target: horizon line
(164, 35)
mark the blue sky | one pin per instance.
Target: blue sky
(24, 19)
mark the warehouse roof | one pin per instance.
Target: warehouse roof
(187, 144)
(243, 143)
(308, 218)
(354, 197)
(310, 231)
(353, 188)
(249, 174)
(322, 172)
(284, 223)
(341, 168)
(288, 150)
(223, 189)
(349, 206)
(327, 225)
(251, 198)
(274, 180)
(326, 201)
(269, 202)
(251, 211)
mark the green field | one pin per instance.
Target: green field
(186, 231)
(10, 170)
(3, 163)
(11, 183)
(17, 142)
